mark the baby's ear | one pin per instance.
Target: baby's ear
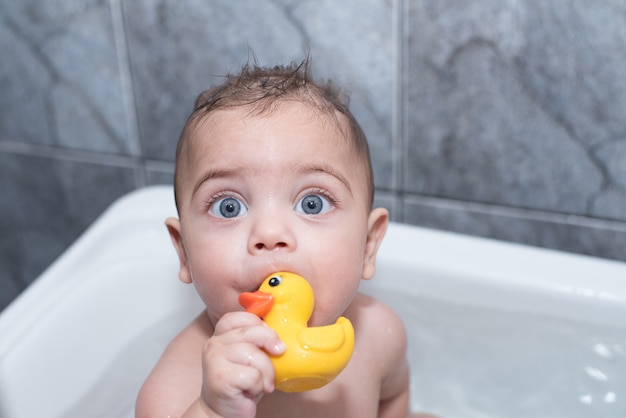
(376, 228)
(173, 227)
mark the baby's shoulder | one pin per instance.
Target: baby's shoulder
(380, 333)
(373, 318)
(368, 306)
(191, 338)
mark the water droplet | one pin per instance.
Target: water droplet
(602, 350)
(610, 397)
(596, 374)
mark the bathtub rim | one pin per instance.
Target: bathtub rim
(481, 260)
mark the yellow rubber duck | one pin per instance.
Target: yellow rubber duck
(314, 355)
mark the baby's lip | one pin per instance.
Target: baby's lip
(274, 264)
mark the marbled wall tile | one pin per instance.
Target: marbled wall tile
(46, 205)
(60, 76)
(24, 80)
(610, 204)
(156, 176)
(179, 49)
(352, 42)
(601, 239)
(513, 102)
(388, 201)
(9, 290)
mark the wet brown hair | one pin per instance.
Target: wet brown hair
(260, 90)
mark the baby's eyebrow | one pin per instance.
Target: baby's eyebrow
(326, 169)
(208, 176)
(304, 169)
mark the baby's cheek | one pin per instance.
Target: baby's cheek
(213, 299)
(331, 305)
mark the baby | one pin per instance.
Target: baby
(273, 173)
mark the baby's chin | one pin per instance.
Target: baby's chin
(215, 315)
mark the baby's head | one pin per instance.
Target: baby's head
(259, 91)
(273, 174)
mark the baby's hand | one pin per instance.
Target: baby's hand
(236, 372)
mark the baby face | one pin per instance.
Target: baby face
(278, 192)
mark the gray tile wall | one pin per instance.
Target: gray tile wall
(496, 118)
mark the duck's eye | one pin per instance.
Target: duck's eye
(275, 281)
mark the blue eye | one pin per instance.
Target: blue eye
(228, 207)
(313, 204)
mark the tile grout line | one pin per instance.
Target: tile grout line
(160, 166)
(537, 215)
(82, 156)
(399, 97)
(128, 96)
(67, 154)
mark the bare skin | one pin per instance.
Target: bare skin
(382, 390)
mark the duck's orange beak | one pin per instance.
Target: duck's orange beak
(258, 303)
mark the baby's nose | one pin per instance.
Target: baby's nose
(270, 246)
(270, 234)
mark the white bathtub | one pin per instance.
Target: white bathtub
(495, 330)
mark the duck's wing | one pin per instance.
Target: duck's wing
(328, 338)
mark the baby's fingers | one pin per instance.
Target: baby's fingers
(256, 372)
(233, 391)
(235, 378)
(234, 320)
(238, 327)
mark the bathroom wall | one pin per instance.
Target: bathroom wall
(495, 118)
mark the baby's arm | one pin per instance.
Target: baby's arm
(210, 373)
(385, 336)
(236, 372)
(394, 396)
